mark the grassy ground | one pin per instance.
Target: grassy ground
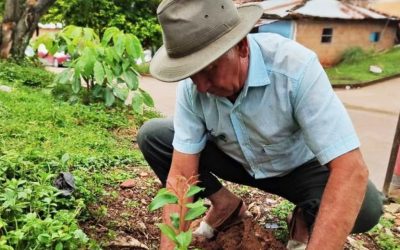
(356, 68)
(42, 136)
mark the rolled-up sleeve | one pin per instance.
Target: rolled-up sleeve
(326, 125)
(190, 136)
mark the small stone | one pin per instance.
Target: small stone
(144, 174)
(397, 229)
(389, 216)
(5, 88)
(356, 244)
(143, 201)
(142, 226)
(397, 222)
(128, 184)
(393, 208)
(348, 87)
(127, 241)
(375, 69)
(270, 201)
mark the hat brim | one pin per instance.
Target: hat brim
(169, 69)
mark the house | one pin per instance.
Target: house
(329, 27)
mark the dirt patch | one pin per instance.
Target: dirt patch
(121, 220)
(247, 235)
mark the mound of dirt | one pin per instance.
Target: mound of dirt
(247, 235)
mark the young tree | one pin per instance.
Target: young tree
(20, 21)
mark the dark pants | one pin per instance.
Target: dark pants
(303, 186)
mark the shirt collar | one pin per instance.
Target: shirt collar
(257, 74)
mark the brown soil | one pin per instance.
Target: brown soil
(247, 235)
(121, 219)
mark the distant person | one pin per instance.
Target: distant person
(257, 110)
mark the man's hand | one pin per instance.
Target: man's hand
(341, 202)
(182, 165)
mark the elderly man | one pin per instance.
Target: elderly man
(257, 110)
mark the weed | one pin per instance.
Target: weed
(383, 237)
(282, 212)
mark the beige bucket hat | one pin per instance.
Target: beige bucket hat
(197, 32)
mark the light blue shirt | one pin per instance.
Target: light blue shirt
(285, 115)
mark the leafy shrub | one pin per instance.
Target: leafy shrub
(31, 75)
(106, 67)
(354, 54)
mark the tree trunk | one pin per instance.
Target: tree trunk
(20, 24)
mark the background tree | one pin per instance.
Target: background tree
(20, 21)
(131, 16)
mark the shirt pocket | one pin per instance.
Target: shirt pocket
(284, 154)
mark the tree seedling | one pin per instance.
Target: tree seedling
(179, 194)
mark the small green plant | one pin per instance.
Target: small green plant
(104, 67)
(383, 236)
(179, 194)
(282, 211)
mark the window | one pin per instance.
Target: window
(326, 35)
(374, 37)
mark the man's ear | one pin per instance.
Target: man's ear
(243, 47)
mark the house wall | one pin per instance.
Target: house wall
(346, 34)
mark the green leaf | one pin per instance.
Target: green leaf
(120, 93)
(184, 239)
(119, 44)
(99, 73)
(148, 101)
(162, 198)
(109, 97)
(44, 238)
(167, 231)
(64, 76)
(195, 211)
(65, 158)
(79, 234)
(89, 34)
(109, 55)
(98, 91)
(108, 34)
(130, 79)
(76, 83)
(137, 103)
(133, 46)
(59, 246)
(109, 74)
(175, 220)
(193, 190)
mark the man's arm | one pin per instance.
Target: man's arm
(341, 201)
(185, 165)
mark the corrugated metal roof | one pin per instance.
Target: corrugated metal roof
(279, 8)
(389, 8)
(336, 9)
(317, 8)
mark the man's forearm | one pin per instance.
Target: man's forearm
(341, 202)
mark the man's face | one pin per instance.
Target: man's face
(222, 77)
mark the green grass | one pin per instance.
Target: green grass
(356, 70)
(42, 136)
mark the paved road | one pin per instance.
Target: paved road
(374, 111)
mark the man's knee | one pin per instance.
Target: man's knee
(371, 210)
(152, 131)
